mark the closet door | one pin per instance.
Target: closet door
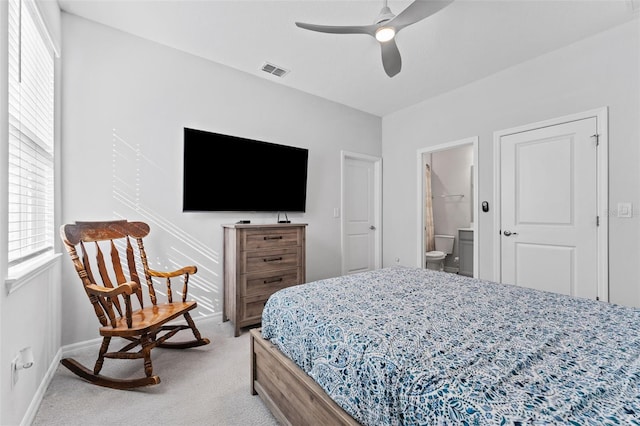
(549, 208)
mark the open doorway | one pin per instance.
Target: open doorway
(447, 207)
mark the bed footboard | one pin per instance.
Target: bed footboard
(293, 397)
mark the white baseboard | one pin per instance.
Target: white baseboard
(30, 415)
(66, 351)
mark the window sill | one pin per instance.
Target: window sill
(19, 276)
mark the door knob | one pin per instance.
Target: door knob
(373, 228)
(508, 233)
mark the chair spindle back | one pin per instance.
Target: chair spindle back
(94, 237)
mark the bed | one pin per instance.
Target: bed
(413, 346)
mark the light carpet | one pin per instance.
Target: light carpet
(209, 385)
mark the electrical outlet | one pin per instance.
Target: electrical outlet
(24, 359)
(14, 372)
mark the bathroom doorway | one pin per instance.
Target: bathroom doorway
(447, 206)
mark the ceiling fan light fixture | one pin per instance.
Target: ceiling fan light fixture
(385, 27)
(385, 34)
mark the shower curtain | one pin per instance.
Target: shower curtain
(429, 236)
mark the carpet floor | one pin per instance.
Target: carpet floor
(208, 385)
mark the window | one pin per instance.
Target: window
(31, 160)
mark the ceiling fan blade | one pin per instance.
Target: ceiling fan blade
(391, 60)
(417, 11)
(353, 29)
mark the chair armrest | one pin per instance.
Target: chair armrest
(127, 288)
(186, 270)
(111, 295)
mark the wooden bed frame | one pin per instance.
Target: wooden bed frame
(293, 397)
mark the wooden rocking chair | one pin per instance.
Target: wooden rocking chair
(145, 327)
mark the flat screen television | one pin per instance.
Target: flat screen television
(232, 174)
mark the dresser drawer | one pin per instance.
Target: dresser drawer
(251, 309)
(258, 261)
(265, 284)
(269, 260)
(270, 238)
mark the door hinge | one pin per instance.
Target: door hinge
(597, 138)
(597, 220)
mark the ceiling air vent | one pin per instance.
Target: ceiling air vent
(274, 69)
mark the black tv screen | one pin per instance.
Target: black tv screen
(233, 174)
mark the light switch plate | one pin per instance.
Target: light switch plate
(625, 210)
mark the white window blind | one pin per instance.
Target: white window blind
(31, 161)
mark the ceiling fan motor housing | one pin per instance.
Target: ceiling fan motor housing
(385, 15)
(385, 27)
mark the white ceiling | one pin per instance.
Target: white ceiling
(465, 41)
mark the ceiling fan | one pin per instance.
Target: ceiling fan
(385, 27)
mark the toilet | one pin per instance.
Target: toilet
(444, 246)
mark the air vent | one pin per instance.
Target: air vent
(274, 69)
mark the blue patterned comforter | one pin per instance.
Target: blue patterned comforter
(404, 346)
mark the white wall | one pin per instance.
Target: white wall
(29, 316)
(126, 101)
(603, 70)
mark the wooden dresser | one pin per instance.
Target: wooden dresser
(258, 261)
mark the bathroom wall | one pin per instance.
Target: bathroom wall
(452, 191)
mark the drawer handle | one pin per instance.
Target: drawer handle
(273, 259)
(278, 237)
(277, 280)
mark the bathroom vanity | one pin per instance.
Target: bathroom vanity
(465, 251)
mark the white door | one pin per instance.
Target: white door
(549, 208)
(360, 209)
